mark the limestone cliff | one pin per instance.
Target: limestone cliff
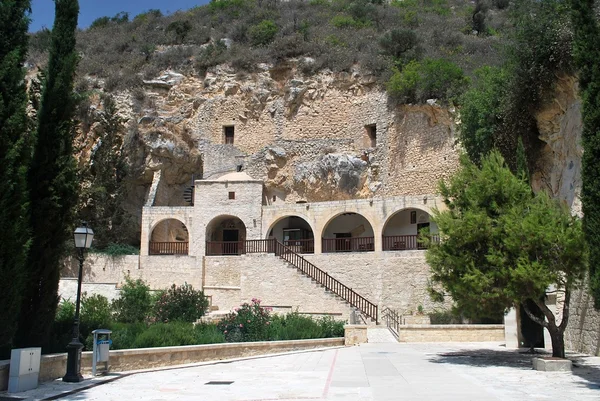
(325, 137)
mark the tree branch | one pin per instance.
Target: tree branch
(565, 314)
(533, 317)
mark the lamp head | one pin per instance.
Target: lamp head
(84, 236)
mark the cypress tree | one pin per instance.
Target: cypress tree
(14, 156)
(52, 180)
(587, 57)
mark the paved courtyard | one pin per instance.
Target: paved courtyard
(374, 371)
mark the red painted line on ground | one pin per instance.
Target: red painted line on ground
(330, 376)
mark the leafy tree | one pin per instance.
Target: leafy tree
(102, 200)
(180, 28)
(15, 147)
(135, 303)
(399, 42)
(53, 184)
(587, 56)
(181, 303)
(502, 245)
(262, 33)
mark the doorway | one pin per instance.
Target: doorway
(231, 245)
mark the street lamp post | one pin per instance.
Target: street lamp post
(83, 240)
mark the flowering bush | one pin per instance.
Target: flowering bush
(181, 303)
(250, 322)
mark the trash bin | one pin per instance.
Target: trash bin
(102, 343)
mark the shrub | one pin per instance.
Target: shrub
(124, 334)
(397, 42)
(135, 302)
(431, 78)
(346, 21)
(166, 335)
(95, 313)
(294, 326)
(208, 334)
(181, 303)
(250, 322)
(113, 249)
(262, 33)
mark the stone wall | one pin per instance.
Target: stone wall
(233, 280)
(397, 280)
(583, 331)
(451, 333)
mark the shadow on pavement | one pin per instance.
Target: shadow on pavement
(585, 367)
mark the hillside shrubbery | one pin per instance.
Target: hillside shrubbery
(335, 35)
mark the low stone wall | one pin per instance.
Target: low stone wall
(451, 333)
(54, 366)
(583, 330)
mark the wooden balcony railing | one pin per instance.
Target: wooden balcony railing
(356, 244)
(406, 242)
(169, 248)
(224, 248)
(301, 245)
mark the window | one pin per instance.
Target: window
(372, 134)
(229, 134)
(231, 195)
(413, 217)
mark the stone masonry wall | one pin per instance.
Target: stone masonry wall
(583, 331)
(233, 280)
(397, 280)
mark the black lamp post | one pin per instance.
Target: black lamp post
(83, 240)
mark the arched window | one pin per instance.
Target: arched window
(348, 232)
(293, 232)
(225, 235)
(169, 237)
(405, 228)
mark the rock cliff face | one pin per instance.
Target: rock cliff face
(324, 137)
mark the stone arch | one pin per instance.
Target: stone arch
(348, 232)
(225, 235)
(293, 231)
(169, 236)
(402, 228)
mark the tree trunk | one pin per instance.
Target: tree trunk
(558, 343)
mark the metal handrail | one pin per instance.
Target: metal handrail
(392, 320)
(330, 283)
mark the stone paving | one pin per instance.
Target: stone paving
(375, 371)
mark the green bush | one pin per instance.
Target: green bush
(113, 249)
(95, 313)
(430, 78)
(347, 21)
(294, 326)
(180, 303)
(166, 335)
(250, 323)
(208, 334)
(262, 33)
(135, 303)
(398, 42)
(124, 335)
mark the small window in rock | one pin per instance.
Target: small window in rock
(231, 195)
(274, 198)
(229, 133)
(372, 134)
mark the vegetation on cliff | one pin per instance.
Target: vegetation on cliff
(15, 147)
(379, 37)
(502, 245)
(53, 183)
(587, 56)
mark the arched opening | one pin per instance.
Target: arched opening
(404, 230)
(295, 233)
(348, 232)
(225, 235)
(169, 237)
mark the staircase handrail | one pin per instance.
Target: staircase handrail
(392, 320)
(330, 283)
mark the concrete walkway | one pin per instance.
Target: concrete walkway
(374, 371)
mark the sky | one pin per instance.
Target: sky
(89, 10)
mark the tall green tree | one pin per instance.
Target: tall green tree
(15, 149)
(587, 58)
(502, 246)
(102, 200)
(53, 180)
